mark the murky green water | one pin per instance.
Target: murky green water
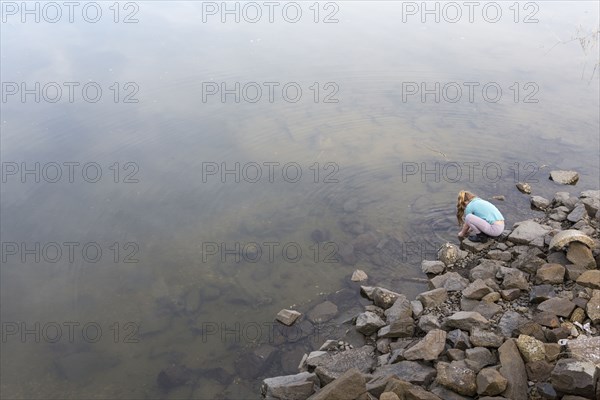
(358, 152)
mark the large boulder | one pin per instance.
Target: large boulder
(529, 232)
(571, 376)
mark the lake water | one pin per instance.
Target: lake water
(172, 177)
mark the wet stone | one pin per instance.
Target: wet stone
(322, 312)
(564, 177)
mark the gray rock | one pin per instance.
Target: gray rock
(476, 290)
(384, 298)
(540, 202)
(550, 273)
(574, 271)
(417, 308)
(571, 376)
(593, 307)
(585, 349)
(428, 348)
(541, 293)
(490, 382)
(376, 386)
(428, 323)
(538, 371)
(547, 319)
(368, 323)
(475, 247)
(513, 369)
(459, 339)
(591, 205)
(368, 291)
(564, 177)
(446, 394)
(580, 254)
(333, 367)
(451, 281)
(466, 320)
(479, 357)
(409, 371)
(455, 354)
(296, 387)
(529, 232)
(400, 328)
(433, 298)
(349, 385)
(432, 267)
(577, 214)
(287, 317)
(510, 294)
(558, 306)
(485, 338)
(456, 377)
(487, 269)
(400, 309)
(487, 310)
(510, 323)
(322, 312)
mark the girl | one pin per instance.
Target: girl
(478, 217)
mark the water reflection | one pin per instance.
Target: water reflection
(185, 300)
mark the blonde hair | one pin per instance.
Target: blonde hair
(464, 198)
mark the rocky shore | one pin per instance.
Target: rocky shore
(517, 317)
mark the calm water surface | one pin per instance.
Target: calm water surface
(359, 151)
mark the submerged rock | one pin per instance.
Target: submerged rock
(564, 177)
(287, 317)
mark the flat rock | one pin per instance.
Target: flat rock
(580, 254)
(466, 320)
(476, 290)
(531, 349)
(348, 386)
(499, 255)
(558, 306)
(428, 323)
(432, 267)
(486, 269)
(541, 293)
(571, 376)
(490, 382)
(564, 177)
(287, 317)
(585, 349)
(513, 369)
(451, 281)
(323, 312)
(550, 273)
(567, 236)
(368, 323)
(335, 366)
(414, 372)
(433, 298)
(487, 310)
(578, 213)
(590, 279)
(299, 386)
(359, 275)
(529, 232)
(475, 247)
(428, 348)
(485, 338)
(540, 202)
(455, 377)
(400, 328)
(547, 319)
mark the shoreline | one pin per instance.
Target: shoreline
(517, 317)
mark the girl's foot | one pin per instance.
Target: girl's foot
(480, 237)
